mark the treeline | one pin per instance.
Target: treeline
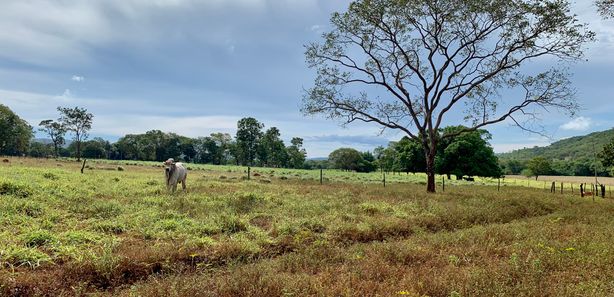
(251, 146)
(467, 154)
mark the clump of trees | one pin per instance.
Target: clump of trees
(15, 133)
(352, 160)
(467, 154)
(251, 146)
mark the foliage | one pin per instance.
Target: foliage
(606, 8)
(607, 154)
(15, 133)
(249, 133)
(78, 121)
(467, 154)
(56, 132)
(573, 156)
(539, 166)
(345, 159)
(433, 57)
(296, 153)
(41, 150)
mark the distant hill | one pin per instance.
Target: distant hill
(579, 148)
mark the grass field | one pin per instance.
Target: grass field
(111, 232)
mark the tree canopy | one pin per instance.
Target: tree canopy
(407, 65)
(55, 131)
(539, 166)
(15, 133)
(78, 121)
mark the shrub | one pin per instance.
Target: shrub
(231, 224)
(21, 191)
(120, 168)
(51, 176)
(39, 238)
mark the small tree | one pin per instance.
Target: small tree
(296, 153)
(249, 134)
(78, 121)
(539, 166)
(407, 65)
(56, 132)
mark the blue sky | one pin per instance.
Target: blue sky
(196, 67)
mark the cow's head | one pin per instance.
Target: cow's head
(169, 169)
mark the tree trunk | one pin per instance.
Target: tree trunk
(430, 172)
(78, 151)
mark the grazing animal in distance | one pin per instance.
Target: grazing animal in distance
(6, 161)
(175, 173)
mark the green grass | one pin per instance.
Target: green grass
(114, 232)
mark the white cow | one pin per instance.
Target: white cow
(175, 173)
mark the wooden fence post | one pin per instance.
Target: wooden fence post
(83, 166)
(582, 190)
(443, 183)
(249, 175)
(384, 179)
(561, 188)
(322, 176)
(499, 185)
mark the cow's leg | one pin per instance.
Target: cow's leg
(183, 184)
(174, 187)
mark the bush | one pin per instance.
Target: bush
(120, 168)
(51, 176)
(39, 238)
(21, 191)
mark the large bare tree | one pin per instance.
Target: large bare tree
(411, 64)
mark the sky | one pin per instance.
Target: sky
(195, 67)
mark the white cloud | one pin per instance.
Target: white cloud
(107, 124)
(77, 78)
(578, 124)
(67, 93)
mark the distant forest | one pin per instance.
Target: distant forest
(570, 157)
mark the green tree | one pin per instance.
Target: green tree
(15, 133)
(56, 132)
(345, 159)
(410, 156)
(513, 167)
(224, 142)
(434, 57)
(78, 121)
(40, 150)
(607, 154)
(96, 148)
(296, 153)
(539, 166)
(468, 153)
(272, 150)
(367, 163)
(385, 157)
(249, 133)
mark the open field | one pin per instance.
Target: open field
(114, 232)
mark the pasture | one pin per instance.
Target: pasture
(114, 231)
